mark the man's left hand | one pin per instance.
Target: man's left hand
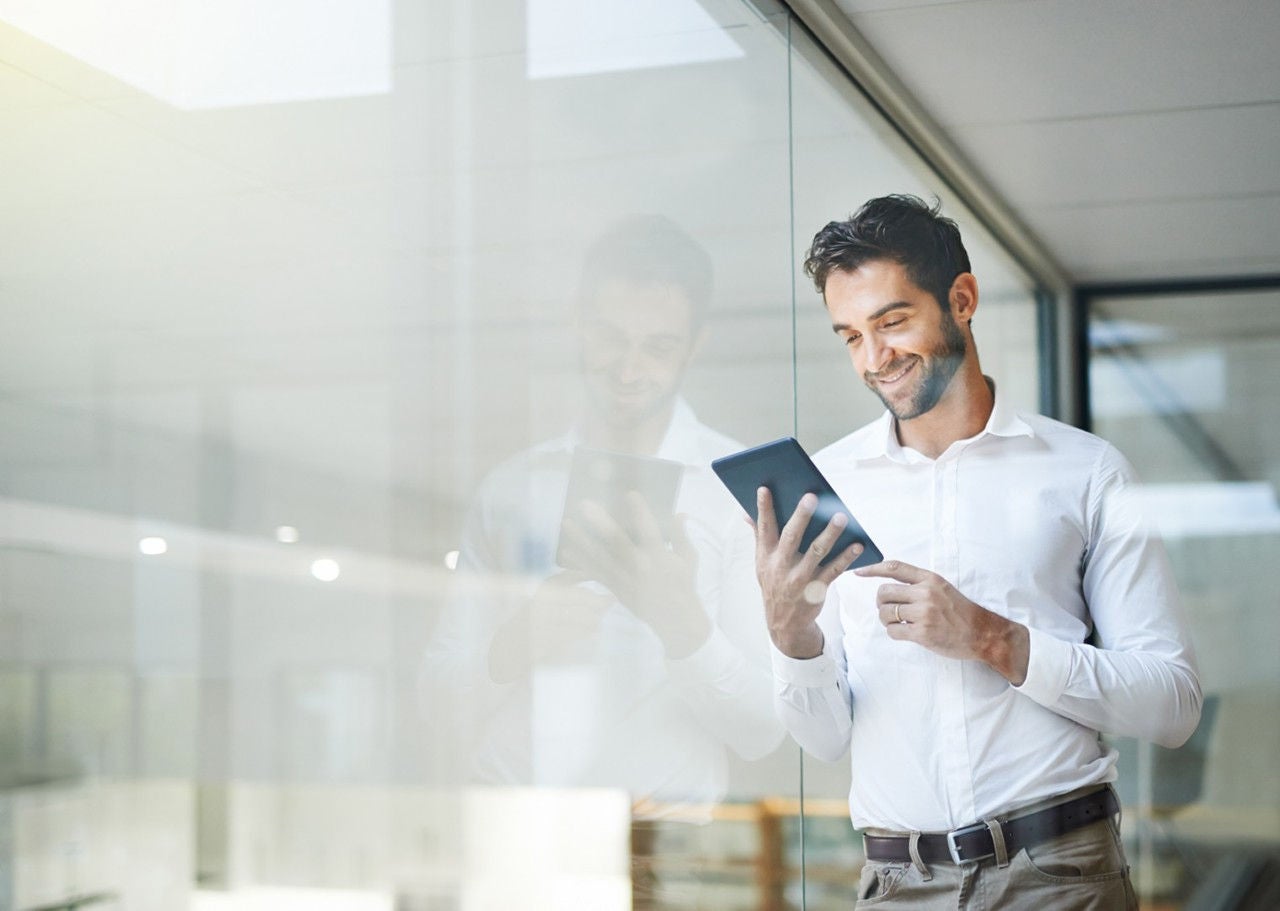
(922, 607)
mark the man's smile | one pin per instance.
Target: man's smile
(889, 379)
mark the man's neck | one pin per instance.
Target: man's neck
(641, 438)
(961, 413)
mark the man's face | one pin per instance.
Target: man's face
(903, 344)
(637, 339)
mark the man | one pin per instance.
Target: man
(592, 650)
(1024, 608)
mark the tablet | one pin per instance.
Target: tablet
(786, 469)
(608, 478)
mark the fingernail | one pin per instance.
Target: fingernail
(839, 520)
(809, 501)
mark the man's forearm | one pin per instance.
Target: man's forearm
(1005, 647)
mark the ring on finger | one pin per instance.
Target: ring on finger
(897, 613)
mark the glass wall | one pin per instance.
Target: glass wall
(358, 385)
(1185, 384)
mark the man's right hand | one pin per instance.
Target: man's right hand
(793, 584)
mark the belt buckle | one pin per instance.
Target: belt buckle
(955, 849)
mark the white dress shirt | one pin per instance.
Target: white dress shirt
(1036, 521)
(624, 714)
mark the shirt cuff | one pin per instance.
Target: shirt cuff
(805, 672)
(710, 661)
(1048, 668)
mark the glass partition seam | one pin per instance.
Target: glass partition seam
(795, 381)
(1083, 414)
(791, 218)
(1047, 342)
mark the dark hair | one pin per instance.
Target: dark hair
(648, 249)
(903, 229)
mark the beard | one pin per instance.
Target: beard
(936, 370)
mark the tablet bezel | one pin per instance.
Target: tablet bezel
(786, 469)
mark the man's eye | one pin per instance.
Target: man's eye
(895, 322)
(849, 340)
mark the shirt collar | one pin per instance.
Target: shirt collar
(881, 438)
(680, 443)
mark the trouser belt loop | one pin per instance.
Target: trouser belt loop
(914, 847)
(997, 839)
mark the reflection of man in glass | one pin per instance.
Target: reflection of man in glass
(591, 646)
(960, 673)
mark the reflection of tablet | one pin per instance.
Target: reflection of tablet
(786, 469)
(607, 478)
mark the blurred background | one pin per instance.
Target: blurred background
(303, 313)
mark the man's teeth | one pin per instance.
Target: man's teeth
(897, 376)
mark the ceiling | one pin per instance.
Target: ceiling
(1138, 140)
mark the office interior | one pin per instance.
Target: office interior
(288, 290)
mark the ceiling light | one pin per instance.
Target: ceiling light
(325, 570)
(153, 547)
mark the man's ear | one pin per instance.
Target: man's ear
(964, 297)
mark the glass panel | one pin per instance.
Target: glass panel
(360, 375)
(1185, 386)
(302, 337)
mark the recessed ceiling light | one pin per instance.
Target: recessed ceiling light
(153, 547)
(325, 570)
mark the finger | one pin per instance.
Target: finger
(573, 552)
(893, 593)
(597, 520)
(766, 522)
(840, 563)
(821, 545)
(680, 542)
(604, 550)
(897, 614)
(903, 632)
(895, 569)
(604, 528)
(793, 531)
(645, 523)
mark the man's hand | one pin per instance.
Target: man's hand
(655, 581)
(924, 608)
(793, 584)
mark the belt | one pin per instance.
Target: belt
(975, 842)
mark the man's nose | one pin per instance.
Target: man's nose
(878, 354)
(629, 363)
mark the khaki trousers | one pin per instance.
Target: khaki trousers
(1084, 870)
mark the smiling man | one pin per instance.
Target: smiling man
(1025, 608)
